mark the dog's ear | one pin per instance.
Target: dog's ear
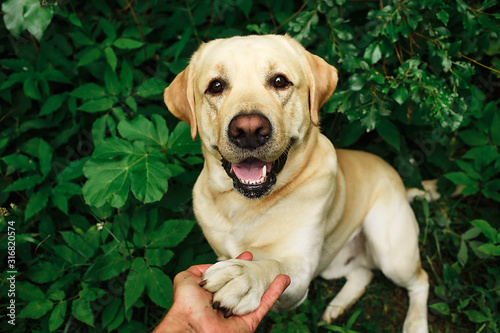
(322, 82)
(179, 98)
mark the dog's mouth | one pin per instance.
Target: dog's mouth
(254, 178)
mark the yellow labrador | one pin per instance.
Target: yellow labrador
(273, 185)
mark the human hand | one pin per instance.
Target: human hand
(192, 309)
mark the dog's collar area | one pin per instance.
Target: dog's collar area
(254, 178)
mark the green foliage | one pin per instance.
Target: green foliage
(97, 175)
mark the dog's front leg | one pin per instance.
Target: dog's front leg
(238, 285)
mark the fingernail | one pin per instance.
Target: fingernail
(202, 283)
(216, 305)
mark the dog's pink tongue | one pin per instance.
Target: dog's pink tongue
(251, 170)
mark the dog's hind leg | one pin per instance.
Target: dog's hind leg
(355, 286)
(391, 232)
(418, 291)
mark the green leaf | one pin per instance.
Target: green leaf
(69, 189)
(469, 169)
(37, 202)
(72, 171)
(151, 87)
(26, 14)
(491, 194)
(57, 295)
(108, 266)
(401, 95)
(443, 16)
(181, 143)
(113, 86)
(54, 75)
(81, 310)
(13, 16)
(171, 233)
(57, 316)
(110, 311)
(150, 177)
(441, 307)
(44, 272)
(89, 91)
(90, 293)
(108, 182)
(89, 57)
(126, 76)
(24, 183)
(44, 155)
(140, 128)
(31, 88)
(99, 129)
(460, 178)
(109, 29)
(19, 162)
(53, 103)
(97, 105)
(462, 254)
(473, 137)
(113, 148)
(350, 134)
(136, 282)
(356, 82)
(37, 18)
(389, 132)
(79, 38)
(471, 234)
(490, 249)
(493, 185)
(36, 309)
(373, 53)
(160, 288)
(29, 292)
(482, 155)
(158, 257)
(131, 103)
(490, 232)
(111, 58)
(245, 7)
(73, 18)
(476, 316)
(78, 244)
(127, 43)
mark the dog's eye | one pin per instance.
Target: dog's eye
(215, 87)
(280, 82)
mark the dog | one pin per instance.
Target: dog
(273, 185)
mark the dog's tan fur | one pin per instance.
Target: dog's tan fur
(332, 213)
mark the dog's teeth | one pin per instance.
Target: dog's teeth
(264, 171)
(253, 182)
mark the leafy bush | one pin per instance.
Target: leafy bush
(97, 175)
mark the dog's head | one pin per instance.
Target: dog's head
(251, 99)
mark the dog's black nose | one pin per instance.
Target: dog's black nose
(249, 131)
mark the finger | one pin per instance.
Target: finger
(277, 287)
(198, 270)
(248, 256)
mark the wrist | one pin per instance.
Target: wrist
(175, 322)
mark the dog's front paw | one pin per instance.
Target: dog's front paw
(237, 285)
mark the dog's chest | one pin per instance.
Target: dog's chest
(233, 228)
